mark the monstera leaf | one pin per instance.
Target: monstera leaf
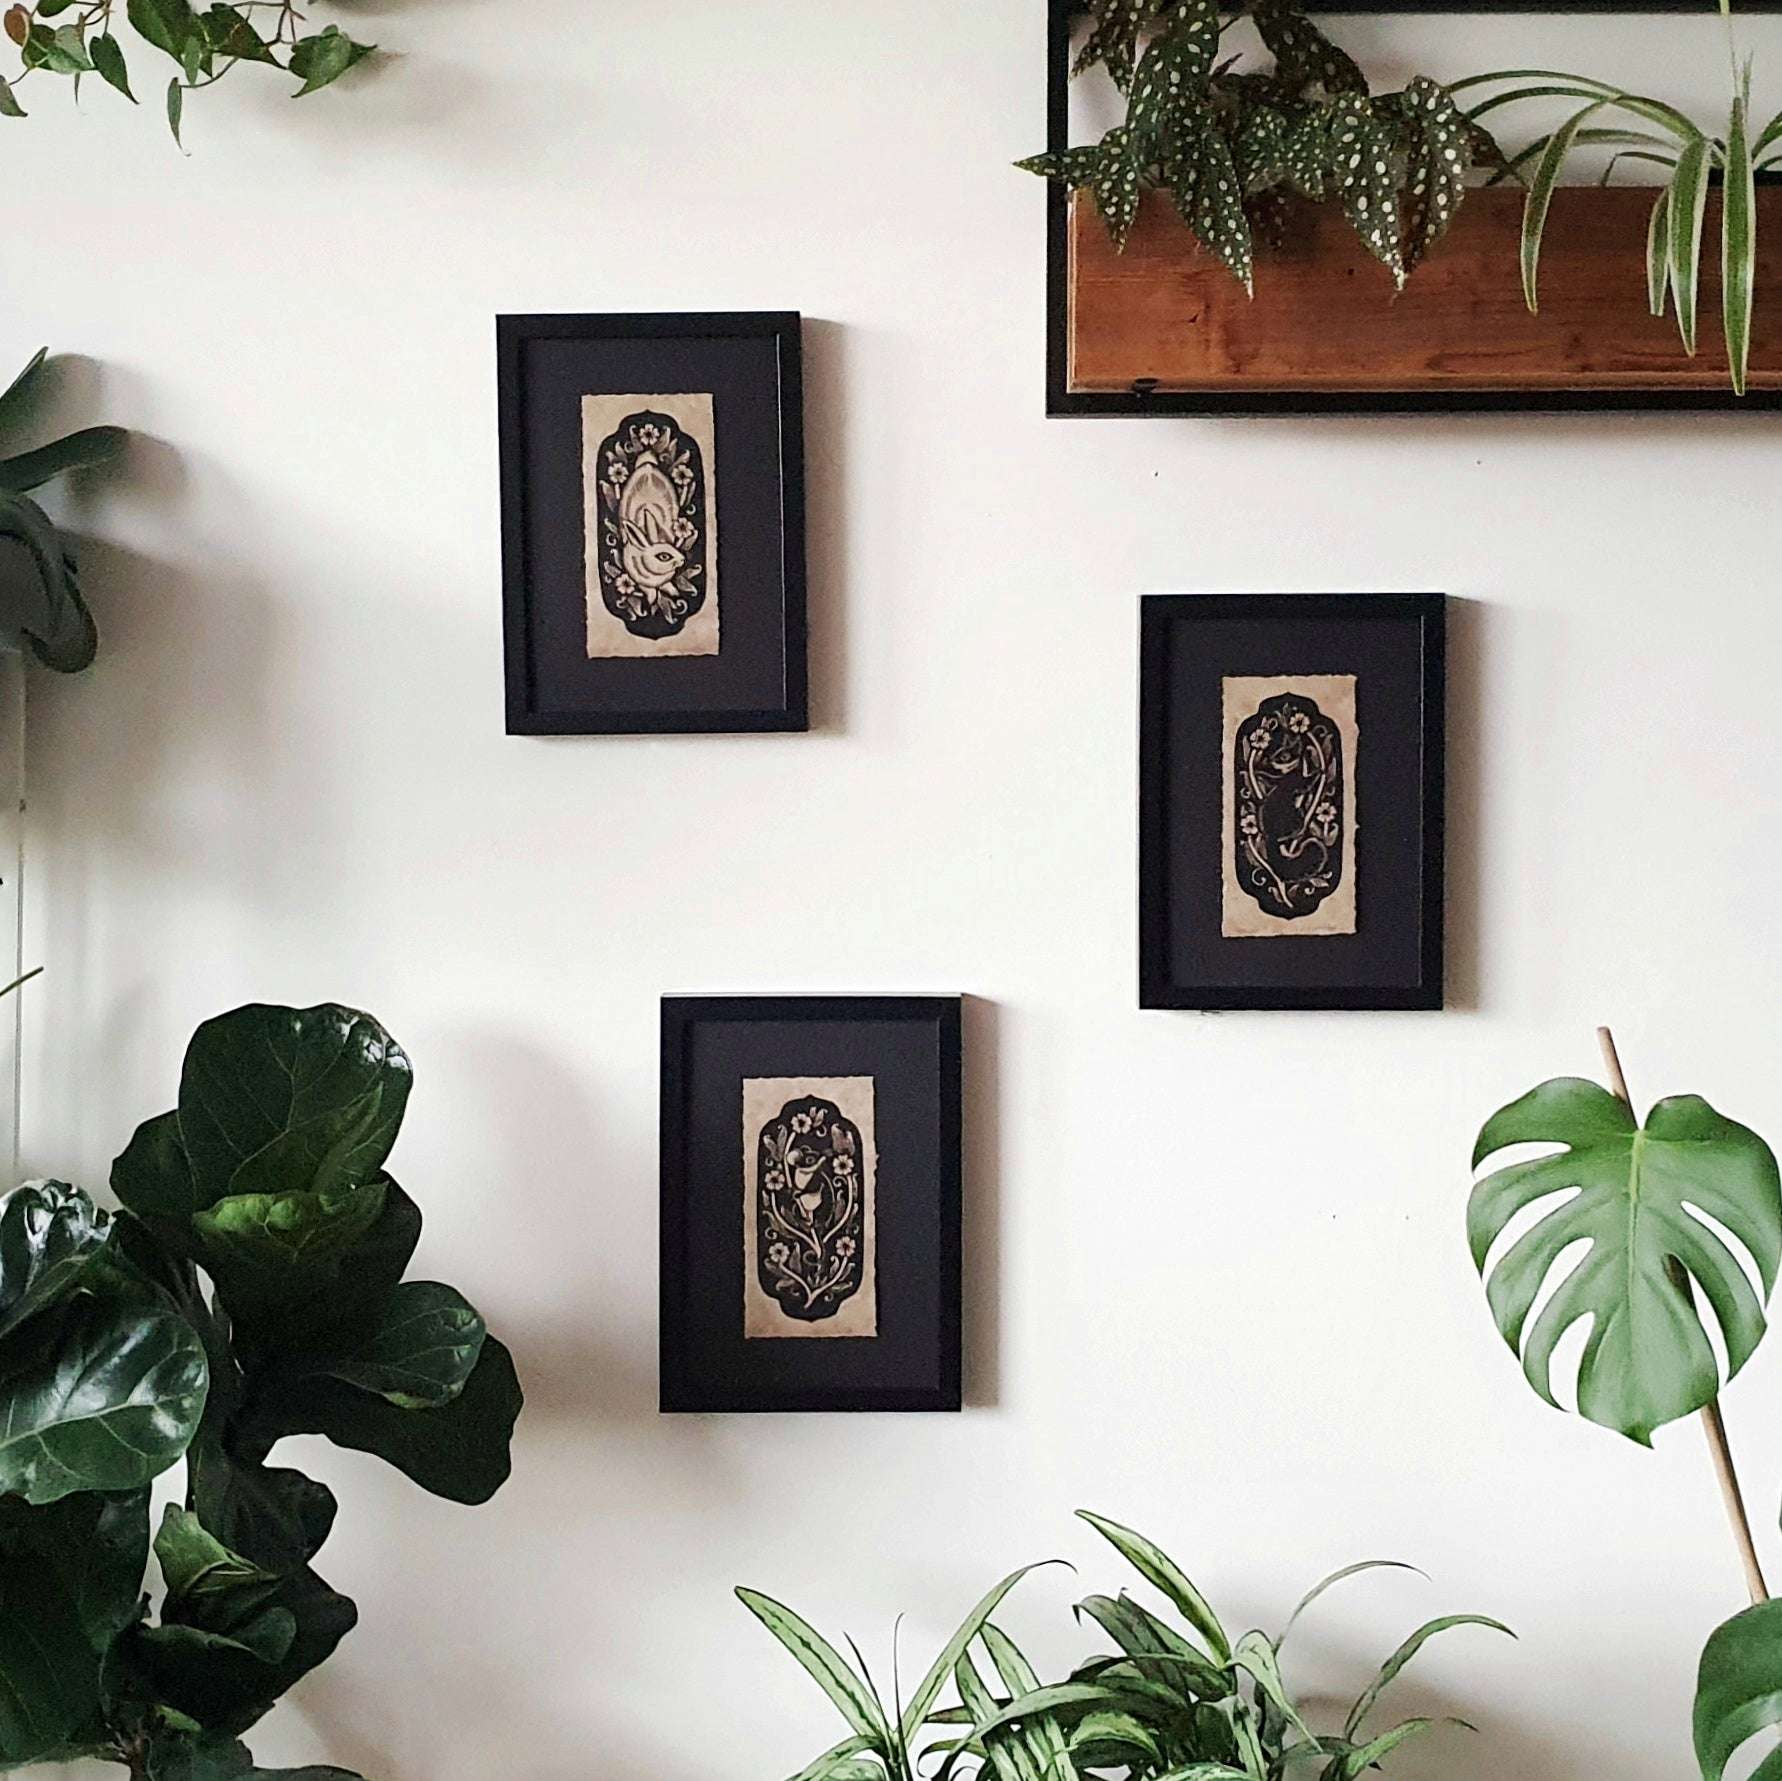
(50, 1234)
(1648, 1359)
(1738, 1692)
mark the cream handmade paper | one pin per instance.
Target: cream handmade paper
(810, 1167)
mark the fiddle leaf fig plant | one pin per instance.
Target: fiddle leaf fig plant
(1229, 143)
(1641, 1196)
(40, 598)
(76, 38)
(251, 1287)
(1648, 1359)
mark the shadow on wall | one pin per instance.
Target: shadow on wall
(826, 522)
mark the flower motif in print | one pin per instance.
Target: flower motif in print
(810, 1213)
(1288, 762)
(653, 525)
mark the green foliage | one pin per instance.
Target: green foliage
(251, 1288)
(1228, 143)
(1648, 1359)
(1648, 131)
(1739, 1692)
(1168, 1705)
(40, 600)
(203, 45)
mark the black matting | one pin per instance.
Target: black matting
(910, 1046)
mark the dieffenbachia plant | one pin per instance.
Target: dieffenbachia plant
(75, 38)
(251, 1288)
(1228, 143)
(40, 599)
(1169, 1705)
(1649, 131)
(1648, 1202)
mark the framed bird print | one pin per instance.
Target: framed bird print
(652, 509)
(1291, 801)
(810, 1203)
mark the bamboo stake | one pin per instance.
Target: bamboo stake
(1713, 1423)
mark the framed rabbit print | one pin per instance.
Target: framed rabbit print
(1291, 801)
(810, 1203)
(652, 518)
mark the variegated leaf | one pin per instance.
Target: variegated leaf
(1306, 57)
(1113, 42)
(1074, 167)
(1175, 66)
(1305, 154)
(1439, 159)
(1117, 183)
(1217, 215)
(1259, 146)
(1362, 151)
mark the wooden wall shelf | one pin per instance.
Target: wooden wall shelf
(1163, 328)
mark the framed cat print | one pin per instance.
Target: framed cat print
(810, 1242)
(652, 522)
(1291, 801)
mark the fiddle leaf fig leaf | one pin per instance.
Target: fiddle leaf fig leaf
(272, 1514)
(1738, 1692)
(263, 1248)
(1648, 1359)
(418, 1351)
(99, 1394)
(273, 1100)
(459, 1451)
(70, 1577)
(50, 1235)
(40, 597)
(210, 1757)
(77, 451)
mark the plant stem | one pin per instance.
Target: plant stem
(1713, 1423)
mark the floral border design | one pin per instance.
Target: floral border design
(1289, 818)
(810, 1209)
(651, 438)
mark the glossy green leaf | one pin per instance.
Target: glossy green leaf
(9, 101)
(459, 1451)
(77, 451)
(167, 24)
(1738, 256)
(1162, 1572)
(176, 101)
(1389, 1671)
(50, 1236)
(819, 1660)
(217, 1594)
(418, 1350)
(108, 58)
(1738, 1692)
(214, 1757)
(18, 394)
(97, 1395)
(40, 597)
(1647, 1360)
(1688, 213)
(273, 1514)
(323, 58)
(264, 1248)
(229, 33)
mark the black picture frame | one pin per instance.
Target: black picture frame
(712, 1047)
(751, 364)
(1394, 646)
(1064, 403)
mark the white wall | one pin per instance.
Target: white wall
(1217, 1281)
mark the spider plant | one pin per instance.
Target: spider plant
(886, 1739)
(1192, 1705)
(1643, 129)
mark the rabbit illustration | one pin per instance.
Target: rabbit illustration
(648, 510)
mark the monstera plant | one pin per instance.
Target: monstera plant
(1187, 1703)
(40, 601)
(252, 1287)
(1229, 142)
(1648, 1201)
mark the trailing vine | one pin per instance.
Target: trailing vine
(74, 38)
(1230, 143)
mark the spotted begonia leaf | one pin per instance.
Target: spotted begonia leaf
(1305, 55)
(1362, 152)
(1439, 157)
(1116, 183)
(1113, 42)
(1175, 68)
(1215, 210)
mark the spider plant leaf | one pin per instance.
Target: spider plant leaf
(1330, 1582)
(1158, 1651)
(18, 392)
(825, 1666)
(1658, 253)
(1162, 1572)
(1647, 1360)
(1540, 198)
(1738, 1691)
(1256, 1655)
(1044, 1737)
(974, 1623)
(77, 451)
(1005, 1750)
(1688, 213)
(1738, 247)
(1364, 1702)
(823, 1769)
(1203, 1771)
(1110, 1739)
